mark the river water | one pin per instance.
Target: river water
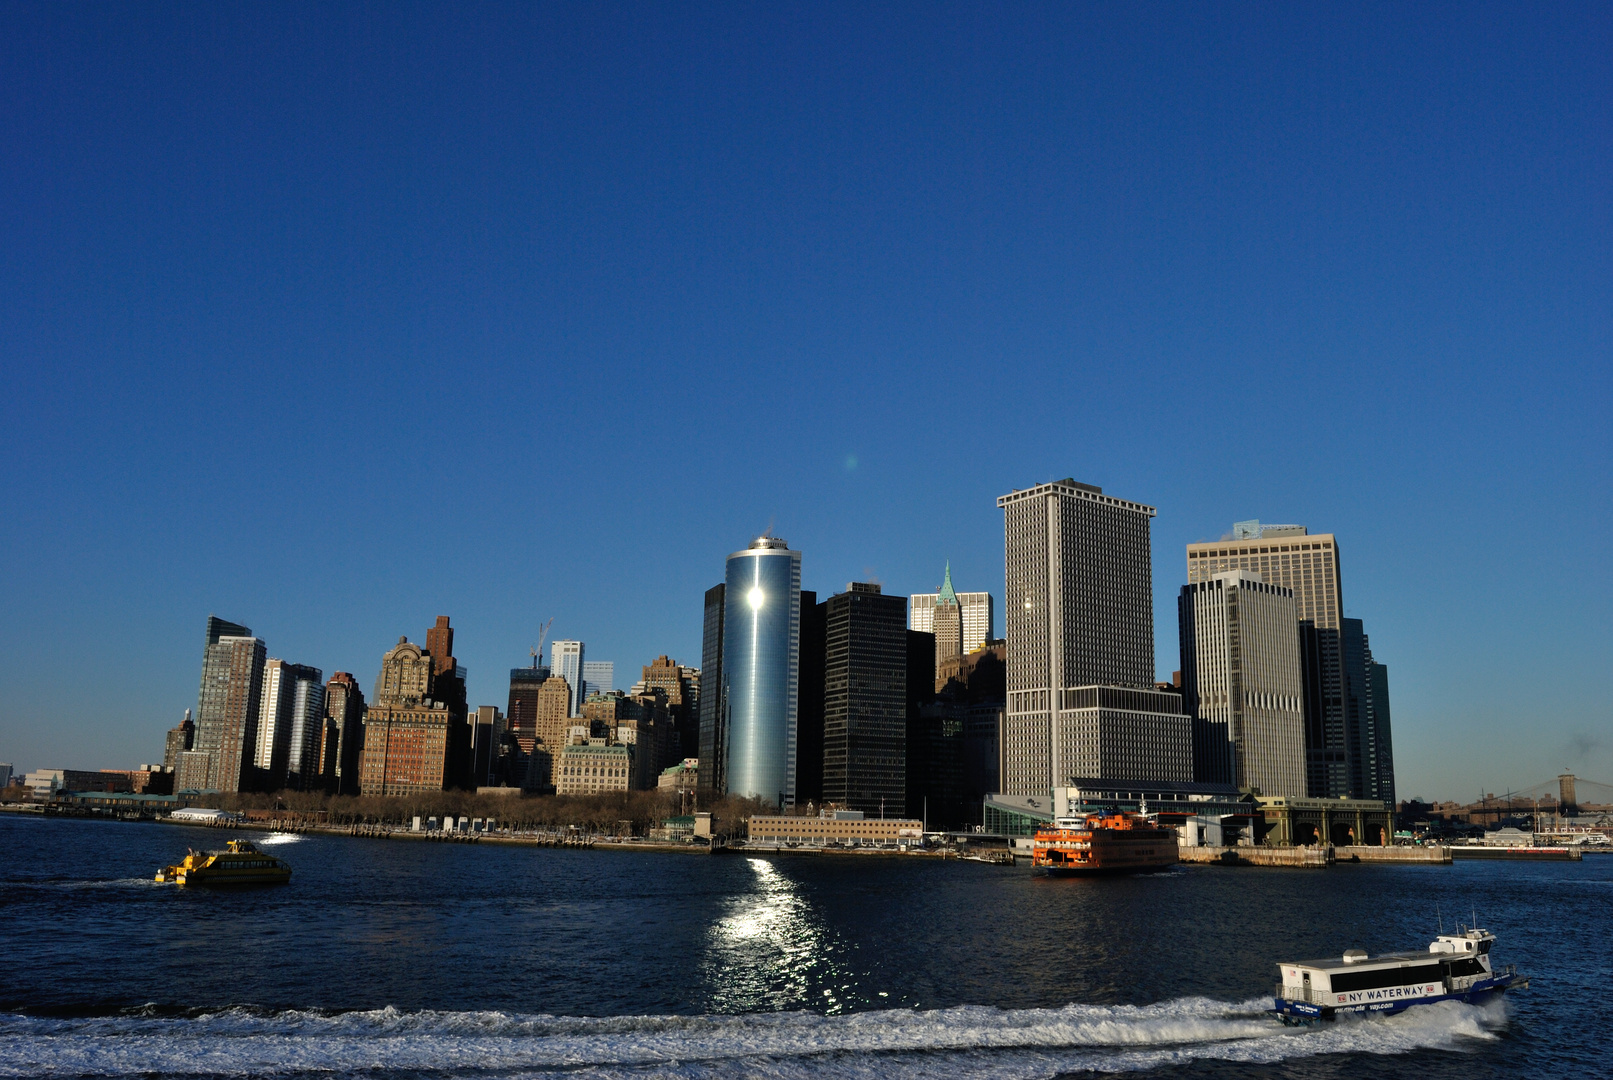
(392, 959)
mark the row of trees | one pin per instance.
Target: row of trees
(628, 813)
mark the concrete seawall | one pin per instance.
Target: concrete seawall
(1315, 857)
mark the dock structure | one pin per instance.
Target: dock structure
(1340, 822)
(1315, 856)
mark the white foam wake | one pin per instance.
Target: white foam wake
(971, 1041)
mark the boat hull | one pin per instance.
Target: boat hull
(1306, 1012)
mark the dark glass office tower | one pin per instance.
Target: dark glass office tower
(809, 711)
(1382, 741)
(713, 729)
(1348, 750)
(344, 705)
(865, 700)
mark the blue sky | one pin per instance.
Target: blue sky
(332, 319)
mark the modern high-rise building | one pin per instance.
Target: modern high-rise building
(275, 708)
(565, 660)
(1347, 750)
(809, 700)
(1381, 779)
(599, 677)
(486, 731)
(226, 710)
(1243, 683)
(1283, 555)
(713, 705)
(1080, 623)
(760, 670)
(975, 610)
(344, 707)
(865, 700)
(411, 739)
(180, 738)
(1348, 738)
(303, 765)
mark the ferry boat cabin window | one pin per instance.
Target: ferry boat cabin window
(1344, 982)
(1466, 966)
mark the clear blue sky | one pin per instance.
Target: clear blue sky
(330, 319)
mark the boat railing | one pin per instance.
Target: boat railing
(1300, 993)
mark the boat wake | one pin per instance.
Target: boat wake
(967, 1041)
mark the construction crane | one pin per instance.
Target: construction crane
(543, 636)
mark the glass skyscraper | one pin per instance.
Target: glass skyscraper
(761, 670)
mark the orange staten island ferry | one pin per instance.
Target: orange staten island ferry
(1115, 842)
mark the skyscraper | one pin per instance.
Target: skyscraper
(599, 677)
(1347, 750)
(274, 724)
(1283, 555)
(713, 705)
(865, 700)
(440, 644)
(947, 619)
(1243, 684)
(1081, 702)
(303, 771)
(410, 737)
(565, 660)
(682, 688)
(226, 710)
(344, 706)
(760, 662)
(486, 730)
(179, 740)
(809, 700)
(521, 716)
(975, 610)
(552, 721)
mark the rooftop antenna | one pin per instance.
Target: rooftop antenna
(1440, 917)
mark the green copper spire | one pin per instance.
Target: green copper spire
(947, 595)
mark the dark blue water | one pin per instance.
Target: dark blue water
(397, 959)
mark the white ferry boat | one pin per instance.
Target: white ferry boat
(1456, 967)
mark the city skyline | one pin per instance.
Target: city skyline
(848, 274)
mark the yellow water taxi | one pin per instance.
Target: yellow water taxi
(241, 864)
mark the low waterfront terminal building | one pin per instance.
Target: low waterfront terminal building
(833, 828)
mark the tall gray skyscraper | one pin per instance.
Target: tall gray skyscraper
(761, 670)
(1080, 624)
(1347, 748)
(1242, 682)
(1284, 555)
(226, 710)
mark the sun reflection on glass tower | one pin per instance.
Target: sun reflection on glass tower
(761, 669)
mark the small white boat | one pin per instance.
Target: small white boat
(1456, 967)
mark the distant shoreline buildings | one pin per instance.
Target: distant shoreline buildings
(888, 706)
